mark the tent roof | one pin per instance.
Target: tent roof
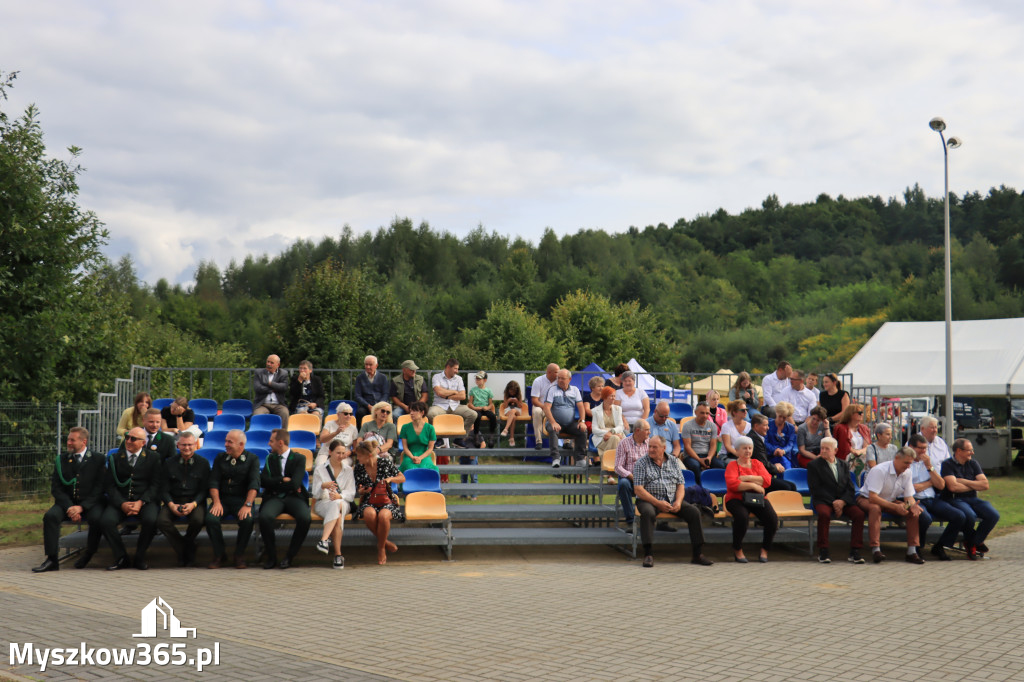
(909, 358)
(721, 381)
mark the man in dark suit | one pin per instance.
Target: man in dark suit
(832, 495)
(157, 441)
(234, 483)
(270, 389)
(133, 490)
(183, 491)
(307, 391)
(283, 492)
(77, 488)
(758, 428)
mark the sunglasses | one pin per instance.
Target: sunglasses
(133, 438)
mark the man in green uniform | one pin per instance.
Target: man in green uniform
(133, 491)
(156, 440)
(234, 483)
(283, 491)
(77, 487)
(183, 492)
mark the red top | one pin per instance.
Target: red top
(841, 433)
(733, 471)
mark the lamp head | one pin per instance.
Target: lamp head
(937, 124)
(954, 142)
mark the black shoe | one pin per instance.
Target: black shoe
(940, 553)
(914, 558)
(270, 563)
(141, 564)
(855, 557)
(823, 557)
(663, 526)
(285, 563)
(119, 564)
(49, 564)
(877, 557)
(982, 548)
(741, 559)
(83, 561)
(539, 446)
(127, 530)
(240, 563)
(701, 560)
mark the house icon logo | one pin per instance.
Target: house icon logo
(158, 615)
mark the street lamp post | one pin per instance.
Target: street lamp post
(938, 125)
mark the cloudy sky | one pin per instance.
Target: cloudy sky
(220, 128)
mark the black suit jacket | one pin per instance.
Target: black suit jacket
(316, 393)
(761, 453)
(273, 481)
(185, 482)
(824, 487)
(263, 382)
(85, 482)
(125, 484)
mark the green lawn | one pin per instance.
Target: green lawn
(1007, 495)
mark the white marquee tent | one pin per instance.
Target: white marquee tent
(909, 358)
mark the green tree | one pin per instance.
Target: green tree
(509, 337)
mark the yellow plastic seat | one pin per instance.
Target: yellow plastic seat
(308, 455)
(304, 422)
(402, 421)
(449, 425)
(425, 506)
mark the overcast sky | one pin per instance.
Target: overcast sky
(220, 128)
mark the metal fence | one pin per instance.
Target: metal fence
(30, 437)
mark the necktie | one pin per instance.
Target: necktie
(131, 460)
(78, 459)
(150, 441)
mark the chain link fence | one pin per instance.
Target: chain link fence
(30, 436)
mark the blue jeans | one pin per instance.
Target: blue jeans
(396, 412)
(933, 507)
(693, 465)
(467, 478)
(975, 508)
(625, 496)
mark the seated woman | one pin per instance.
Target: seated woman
(343, 428)
(809, 435)
(634, 403)
(853, 436)
(609, 428)
(418, 438)
(379, 506)
(333, 490)
(781, 438)
(177, 418)
(883, 449)
(592, 401)
(734, 428)
(718, 414)
(747, 475)
(512, 407)
(134, 416)
(381, 429)
(744, 390)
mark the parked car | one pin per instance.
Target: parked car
(985, 418)
(1017, 412)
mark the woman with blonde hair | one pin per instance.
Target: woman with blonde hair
(379, 506)
(744, 390)
(381, 429)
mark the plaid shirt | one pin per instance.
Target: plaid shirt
(660, 481)
(627, 452)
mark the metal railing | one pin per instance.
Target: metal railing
(31, 435)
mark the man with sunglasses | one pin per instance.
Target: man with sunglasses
(133, 488)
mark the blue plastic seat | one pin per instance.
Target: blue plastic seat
(161, 403)
(265, 422)
(204, 406)
(688, 478)
(214, 439)
(112, 451)
(799, 477)
(333, 406)
(303, 439)
(228, 422)
(262, 453)
(713, 480)
(680, 411)
(202, 422)
(239, 406)
(421, 480)
(257, 439)
(208, 453)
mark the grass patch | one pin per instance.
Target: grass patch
(21, 522)
(1006, 493)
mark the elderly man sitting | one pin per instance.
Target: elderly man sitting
(562, 402)
(889, 487)
(627, 452)
(658, 484)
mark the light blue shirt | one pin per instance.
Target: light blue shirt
(669, 431)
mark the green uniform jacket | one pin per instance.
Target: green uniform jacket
(140, 483)
(235, 477)
(185, 482)
(85, 485)
(272, 480)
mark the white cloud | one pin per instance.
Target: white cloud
(212, 129)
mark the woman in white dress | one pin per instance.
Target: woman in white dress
(343, 428)
(634, 403)
(736, 426)
(609, 428)
(333, 490)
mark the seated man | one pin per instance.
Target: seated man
(157, 442)
(371, 387)
(270, 389)
(658, 484)
(927, 482)
(662, 425)
(283, 492)
(888, 487)
(799, 396)
(77, 488)
(561, 404)
(833, 495)
(449, 391)
(407, 388)
(133, 490)
(538, 390)
(234, 483)
(964, 478)
(700, 440)
(772, 386)
(183, 492)
(629, 450)
(307, 392)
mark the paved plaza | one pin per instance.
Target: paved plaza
(539, 613)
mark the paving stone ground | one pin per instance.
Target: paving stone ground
(540, 613)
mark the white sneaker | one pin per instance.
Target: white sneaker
(339, 562)
(556, 462)
(323, 546)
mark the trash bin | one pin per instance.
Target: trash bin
(991, 448)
